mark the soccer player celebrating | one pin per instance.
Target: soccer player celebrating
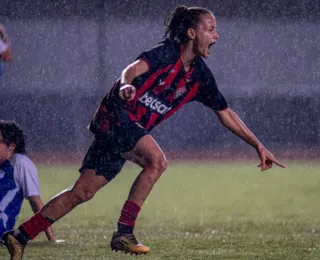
(151, 89)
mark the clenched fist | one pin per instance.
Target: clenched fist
(127, 92)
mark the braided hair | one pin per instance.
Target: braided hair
(180, 20)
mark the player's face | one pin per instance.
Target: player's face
(5, 150)
(205, 35)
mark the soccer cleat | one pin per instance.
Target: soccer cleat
(14, 247)
(127, 243)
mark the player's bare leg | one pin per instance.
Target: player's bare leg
(150, 157)
(83, 190)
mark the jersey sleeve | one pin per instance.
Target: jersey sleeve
(26, 175)
(160, 55)
(209, 94)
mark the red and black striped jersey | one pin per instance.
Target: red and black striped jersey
(161, 91)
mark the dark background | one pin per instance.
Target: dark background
(67, 55)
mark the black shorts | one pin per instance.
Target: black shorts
(104, 154)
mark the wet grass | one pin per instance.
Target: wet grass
(196, 211)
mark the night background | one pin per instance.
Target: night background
(212, 202)
(67, 54)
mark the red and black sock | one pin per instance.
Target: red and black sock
(128, 217)
(31, 228)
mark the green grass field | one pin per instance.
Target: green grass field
(196, 211)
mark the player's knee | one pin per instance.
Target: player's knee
(83, 195)
(163, 164)
(158, 163)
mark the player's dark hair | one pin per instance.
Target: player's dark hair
(180, 20)
(13, 134)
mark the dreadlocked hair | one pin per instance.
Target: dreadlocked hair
(180, 20)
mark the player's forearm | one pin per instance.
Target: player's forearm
(49, 233)
(128, 75)
(231, 121)
(35, 203)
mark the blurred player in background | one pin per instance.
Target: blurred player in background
(5, 50)
(18, 177)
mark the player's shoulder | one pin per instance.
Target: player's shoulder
(205, 73)
(22, 160)
(203, 67)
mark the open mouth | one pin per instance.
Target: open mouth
(211, 44)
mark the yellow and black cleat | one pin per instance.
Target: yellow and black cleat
(14, 247)
(127, 243)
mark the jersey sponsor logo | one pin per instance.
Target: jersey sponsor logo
(180, 92)
(161, 82)
(154, 104)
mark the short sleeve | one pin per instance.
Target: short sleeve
(160, 55)
(209, 94)
(26, 175)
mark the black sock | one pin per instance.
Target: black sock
(49, 220)
(124, 229)
(21, 235)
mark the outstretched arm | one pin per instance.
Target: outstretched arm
(231, 121)
(36, 205)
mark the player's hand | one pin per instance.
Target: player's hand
(6, 56)
(6, 52)
(53, 239)
(267, 159)
(127, 92)
(59, 241)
